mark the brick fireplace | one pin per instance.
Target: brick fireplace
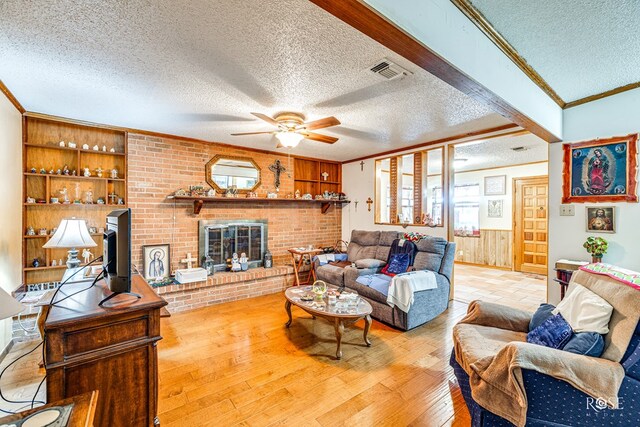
(158, 166)
(220, 239)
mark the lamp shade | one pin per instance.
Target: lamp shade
(9, 307)
(289, 138)
(71, 233)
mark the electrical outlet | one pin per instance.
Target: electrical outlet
(567, 210)
(460, 253)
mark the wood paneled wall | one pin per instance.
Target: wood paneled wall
(492, 248)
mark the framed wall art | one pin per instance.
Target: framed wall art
(601, 219)
(495, 185)
(156, 261)
(601, 170)
(494, 208)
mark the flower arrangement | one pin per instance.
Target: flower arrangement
(413, 236)
(596, 246)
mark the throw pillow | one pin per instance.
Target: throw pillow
(542, 313)
(585, 311)
(397, 264)
(369, 263)
(553, 332)
(587, 343)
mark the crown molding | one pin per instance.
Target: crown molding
(601, 95)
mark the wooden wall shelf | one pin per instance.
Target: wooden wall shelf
(309, 176)
(198, 202)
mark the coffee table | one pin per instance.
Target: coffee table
(335, 314)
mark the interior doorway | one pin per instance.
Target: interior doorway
(530, 220)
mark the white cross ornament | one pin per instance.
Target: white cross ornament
(325, 175)
(189, 260)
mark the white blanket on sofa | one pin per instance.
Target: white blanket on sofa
(404, 285)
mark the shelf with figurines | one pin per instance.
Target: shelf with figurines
(73, 147)
(66, 173)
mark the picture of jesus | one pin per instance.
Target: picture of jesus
(156, 266)
(157, 260)
(601, 219)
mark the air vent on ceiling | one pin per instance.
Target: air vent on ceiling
(519, 148)
(388, 70)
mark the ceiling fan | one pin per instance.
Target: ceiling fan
(292, 129)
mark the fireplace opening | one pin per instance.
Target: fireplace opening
(220, 239)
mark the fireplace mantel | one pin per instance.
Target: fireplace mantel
(198, 202)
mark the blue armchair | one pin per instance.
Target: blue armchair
(553, 402)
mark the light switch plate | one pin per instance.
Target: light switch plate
(567, 210)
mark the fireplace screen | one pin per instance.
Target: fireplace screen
(220, 239)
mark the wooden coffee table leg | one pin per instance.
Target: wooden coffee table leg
(339, 326)
(367, 326)
(287, 306)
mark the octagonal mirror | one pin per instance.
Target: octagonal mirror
(225, 172)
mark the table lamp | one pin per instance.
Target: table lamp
(9, 307)
(71, 234)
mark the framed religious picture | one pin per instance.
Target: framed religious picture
(601, 219)
(495, 185)
(156, 261)
(602, 170)
(494, 208)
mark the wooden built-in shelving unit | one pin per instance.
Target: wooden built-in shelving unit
(41, 137)
(308, 176)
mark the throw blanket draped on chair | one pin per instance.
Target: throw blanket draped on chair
(490, 345)
(403, 286)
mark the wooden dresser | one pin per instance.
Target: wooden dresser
(112, 350)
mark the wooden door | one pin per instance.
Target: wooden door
(530, 220)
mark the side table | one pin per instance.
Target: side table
(298, 258)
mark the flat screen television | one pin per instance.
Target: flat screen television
(117, 251)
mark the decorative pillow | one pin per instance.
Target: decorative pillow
(542, 313)
(553, 332)
(587, 343)
(585, 311)
(369, 263)
(397, 264)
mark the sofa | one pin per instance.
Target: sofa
(554, 402)
(368, 251)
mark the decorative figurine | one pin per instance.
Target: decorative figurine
(34, 170)
(65, 170)
(114, 173)
(54, 200)
(99, 172)
(60, 261)
(180, 192)
(31, 231)
(77, 198)
(87, 172)
(297, 195)
(120, 201)
(43, 171)
(96, 148)
(88, 197)
(42, 232)
(211, 193)
(93, 230)
(101, 230)
(100, 201)
(268, 259)
(85, 146)
(104, 148)
(244, 262)
(59, 172)
(53, 231)
(35, 263)
(209, 265)
(72, 145)
(31, 200)
(235, 263)
(73, 173)
(271, 195)
(61, 144)
(51, 171)
(86, 255)
(112, 150)
(54, 263)
(64, 195)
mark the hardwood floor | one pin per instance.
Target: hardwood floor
(236, 364)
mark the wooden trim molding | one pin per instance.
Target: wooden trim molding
(4, 89)
(485, 26)
(368, 21)
(446, 139)
(601, 95)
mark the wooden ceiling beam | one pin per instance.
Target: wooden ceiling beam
(4, 89)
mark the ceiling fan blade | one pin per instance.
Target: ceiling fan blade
(250, 133)
(319, 124)
(318, 137)
(266, 119)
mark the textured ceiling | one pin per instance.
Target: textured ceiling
(498, 152)
(198, 68)
(579, 47)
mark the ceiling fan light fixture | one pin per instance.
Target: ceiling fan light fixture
(289, 139)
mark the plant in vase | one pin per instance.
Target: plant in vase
(596, 246)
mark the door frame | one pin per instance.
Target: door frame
(517, 239)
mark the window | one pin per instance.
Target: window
(466, 210)
(401, 197)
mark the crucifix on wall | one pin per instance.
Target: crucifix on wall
(189, 260)
(277, 169)
(369, 202)
(362, 166)
(325, 175)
